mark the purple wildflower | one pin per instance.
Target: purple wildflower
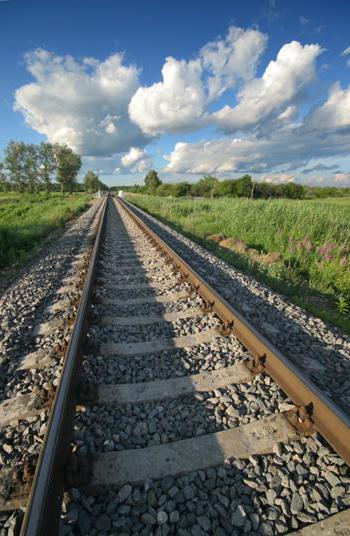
(326, 251)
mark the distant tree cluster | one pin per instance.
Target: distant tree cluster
(211, 187)
(92, 183)
(27, 167)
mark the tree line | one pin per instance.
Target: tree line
(211, 187)
(31, 168)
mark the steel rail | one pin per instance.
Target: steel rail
(45, 499)
(316, 410)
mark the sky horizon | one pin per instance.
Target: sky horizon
(189, 89)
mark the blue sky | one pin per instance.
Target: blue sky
(189, 88)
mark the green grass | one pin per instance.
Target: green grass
(313, 237)
(26, 220)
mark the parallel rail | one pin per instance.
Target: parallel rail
(44, 504)
(315, 410)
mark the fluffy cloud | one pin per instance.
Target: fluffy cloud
(172, 105)
(280, 178)
(324, 133)
(275, 92)
(136, 160)
(99, 108)
(217, 156)
(334, 113)
(232, 59)
(178, 103)
(343, 178)
(255, 154)
(84, 104)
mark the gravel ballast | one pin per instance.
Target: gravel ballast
(24, 306)
(143, 425)
(321, 351)
(300, 484)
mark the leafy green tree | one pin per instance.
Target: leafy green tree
(205, 187)
(244, 186)
(181, 189)
(165, 190)
(30, 164)
(68, 164)
(226, 188)
(293, 191)
(14, 164)
(3, 178)
(91, 182)
(47, 164)
(264, 190)
(152, 181)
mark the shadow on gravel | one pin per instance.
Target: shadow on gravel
(123, 280)
(211, 498)
(24, 306)
(221, 497)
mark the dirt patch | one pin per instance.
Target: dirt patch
(271, 258)
(216, 238)
(234, 244)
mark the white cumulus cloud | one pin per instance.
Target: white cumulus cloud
(82, 103)
(334, 113)
(178, 103)
(232, 59)
(342, 178)
(174, 104)
(275, 92)
(136, 160)
(324, 133)
(278, 178)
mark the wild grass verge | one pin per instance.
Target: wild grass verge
(313, 238)
(26, 220)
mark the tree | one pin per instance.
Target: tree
(205, 187)
(264, 190)
(15, 164)
(68, 164)
(47, 164)
(226, 188)
(152, 181)
(30, 165)
(293, 191)
(3, 178)
(244, 186)
(181, 189)
(91, 182)
(165, 190)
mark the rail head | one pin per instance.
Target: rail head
(44, 504)
(327, 417)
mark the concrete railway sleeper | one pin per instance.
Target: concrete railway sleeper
(172, 414)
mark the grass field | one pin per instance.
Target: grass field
(313, 238)
(26, 220)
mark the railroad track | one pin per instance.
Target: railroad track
(173, 415)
